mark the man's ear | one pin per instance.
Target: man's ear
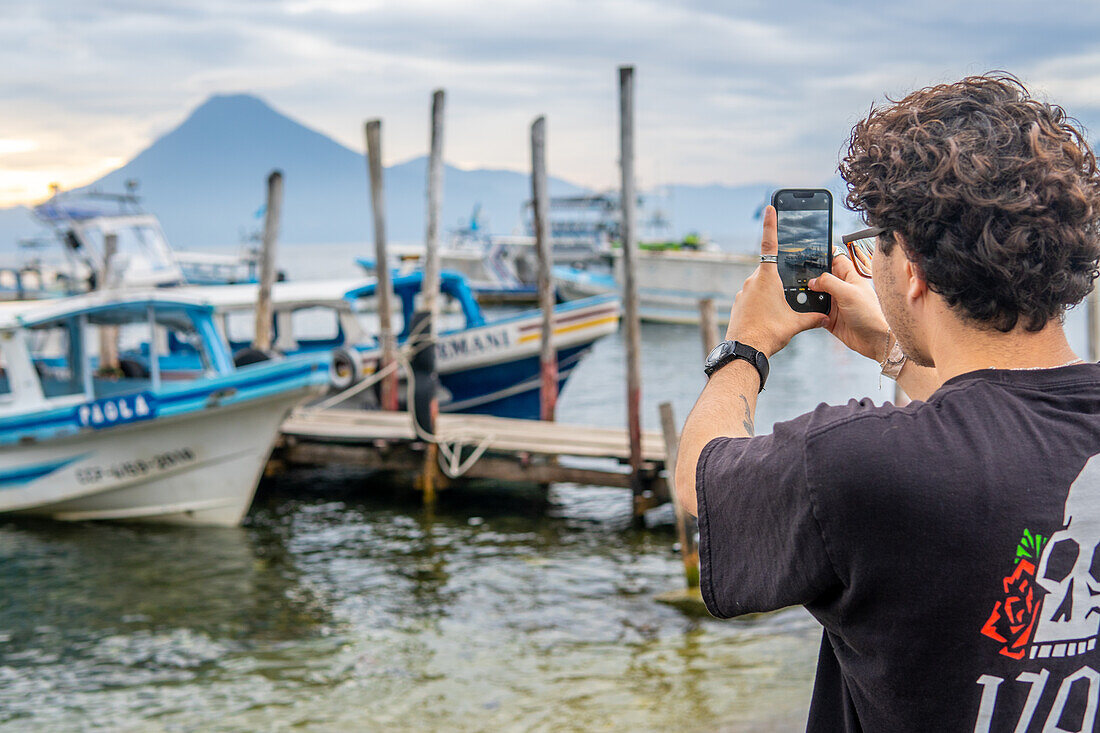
(916, 285)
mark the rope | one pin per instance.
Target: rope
(355, 388)
(450, 454)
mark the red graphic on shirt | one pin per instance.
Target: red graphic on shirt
(1013, 619)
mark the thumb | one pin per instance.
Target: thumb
(769, 240)
(831, 284)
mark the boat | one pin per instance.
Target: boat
(585, 231)
(82, 438)
(502, 268)
(90, 224)
(485, 366)
(671, 282)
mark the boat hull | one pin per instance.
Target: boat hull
(196, 467)
(494, 369)
(670, 284)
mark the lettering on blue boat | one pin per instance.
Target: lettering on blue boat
(117, 410)
(472, 344)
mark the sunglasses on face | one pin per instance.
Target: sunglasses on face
(861, 248)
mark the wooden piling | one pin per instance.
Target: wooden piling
(426, 404)
(430, 288)
(108, 335)
(642, 498)
(263, 336)
(708, 328)
(540, 197)
(384, 288)
(1092, 306)
(685, 524)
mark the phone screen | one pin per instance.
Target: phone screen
(803, 246)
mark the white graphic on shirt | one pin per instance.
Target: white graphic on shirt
(1069, 572)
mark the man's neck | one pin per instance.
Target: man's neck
(958, 348)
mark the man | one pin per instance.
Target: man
(950, 548)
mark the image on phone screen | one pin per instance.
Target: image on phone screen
(803, 247)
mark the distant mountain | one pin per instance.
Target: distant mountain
(205, 180)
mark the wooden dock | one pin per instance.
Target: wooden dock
(475, 446)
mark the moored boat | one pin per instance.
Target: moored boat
(670, 282)
(82, 438)
(485, 366)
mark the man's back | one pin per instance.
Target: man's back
(947, 548)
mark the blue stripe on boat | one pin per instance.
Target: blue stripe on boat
(26, 474)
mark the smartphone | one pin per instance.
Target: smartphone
(805, 245)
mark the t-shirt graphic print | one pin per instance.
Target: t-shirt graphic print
(1051, 609)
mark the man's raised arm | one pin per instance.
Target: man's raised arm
(760, 318)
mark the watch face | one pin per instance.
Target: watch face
(716, 353)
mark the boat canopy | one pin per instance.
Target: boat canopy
(288, 294)
(101, 307)
(406, 286)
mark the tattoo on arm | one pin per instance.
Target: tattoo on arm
(746, 421)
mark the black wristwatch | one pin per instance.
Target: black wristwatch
(727, 351)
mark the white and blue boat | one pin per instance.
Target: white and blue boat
(89, 224)
(81, 441)
(485, 366)
(491, 367)
(671, 282)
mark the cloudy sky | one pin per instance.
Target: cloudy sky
(732, 92)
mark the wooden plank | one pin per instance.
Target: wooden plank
(488, 467)
(505, 434)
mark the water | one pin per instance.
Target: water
(342, 604)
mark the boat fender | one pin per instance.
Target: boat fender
(249, 355)
(346, 368)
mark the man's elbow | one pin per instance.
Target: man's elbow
(685, 481)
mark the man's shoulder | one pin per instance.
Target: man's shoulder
(858, 416)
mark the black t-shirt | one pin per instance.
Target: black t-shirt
(950, 549)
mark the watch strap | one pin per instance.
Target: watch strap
(737, 350)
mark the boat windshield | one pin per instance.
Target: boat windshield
(55, 348)
(113, 353)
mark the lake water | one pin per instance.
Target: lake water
(343, 604)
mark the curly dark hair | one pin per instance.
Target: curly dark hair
(996, 196)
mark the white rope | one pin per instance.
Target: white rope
(450, 454)
(450, 458)
(355, 388)
(374, 378)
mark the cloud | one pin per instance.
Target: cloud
(730, 92)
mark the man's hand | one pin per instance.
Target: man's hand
(856, 317)
(761, 316)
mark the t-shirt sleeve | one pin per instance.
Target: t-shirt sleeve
(760, 545)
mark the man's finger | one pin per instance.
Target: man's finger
(806, 321)
(769, 242)
(831, 284)
(844, 269)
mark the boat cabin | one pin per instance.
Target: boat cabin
(67, 352)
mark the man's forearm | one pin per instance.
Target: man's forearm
(726, 407)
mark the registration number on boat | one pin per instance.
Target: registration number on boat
(139, 467)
